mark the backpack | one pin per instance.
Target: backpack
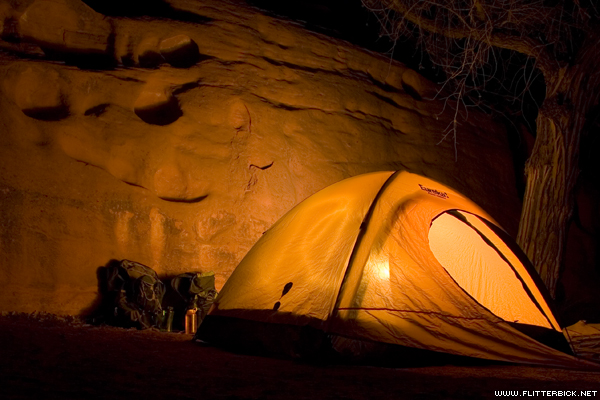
(137, 293)
(197, 289)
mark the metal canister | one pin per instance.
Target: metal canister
(168, 324)
(191, 321)
(161, 318)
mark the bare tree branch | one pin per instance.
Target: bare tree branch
(469, 40)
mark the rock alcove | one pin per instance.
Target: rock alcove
(176, 141)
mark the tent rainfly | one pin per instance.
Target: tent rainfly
(393, 258)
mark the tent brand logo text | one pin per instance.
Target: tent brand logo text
(433, 192)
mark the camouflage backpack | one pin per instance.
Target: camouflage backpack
(138, 294)
(197, 289)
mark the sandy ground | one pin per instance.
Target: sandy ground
(47, 357)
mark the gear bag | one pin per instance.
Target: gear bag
(138, 294)
(197, 290)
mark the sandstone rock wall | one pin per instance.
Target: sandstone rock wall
(178, 141)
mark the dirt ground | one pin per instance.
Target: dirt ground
(43, 356)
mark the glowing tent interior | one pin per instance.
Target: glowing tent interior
(392, 258)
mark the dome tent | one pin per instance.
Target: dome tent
(391, 258)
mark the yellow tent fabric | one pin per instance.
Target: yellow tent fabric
(394, 258)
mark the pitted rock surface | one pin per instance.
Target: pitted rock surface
(178, 142)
